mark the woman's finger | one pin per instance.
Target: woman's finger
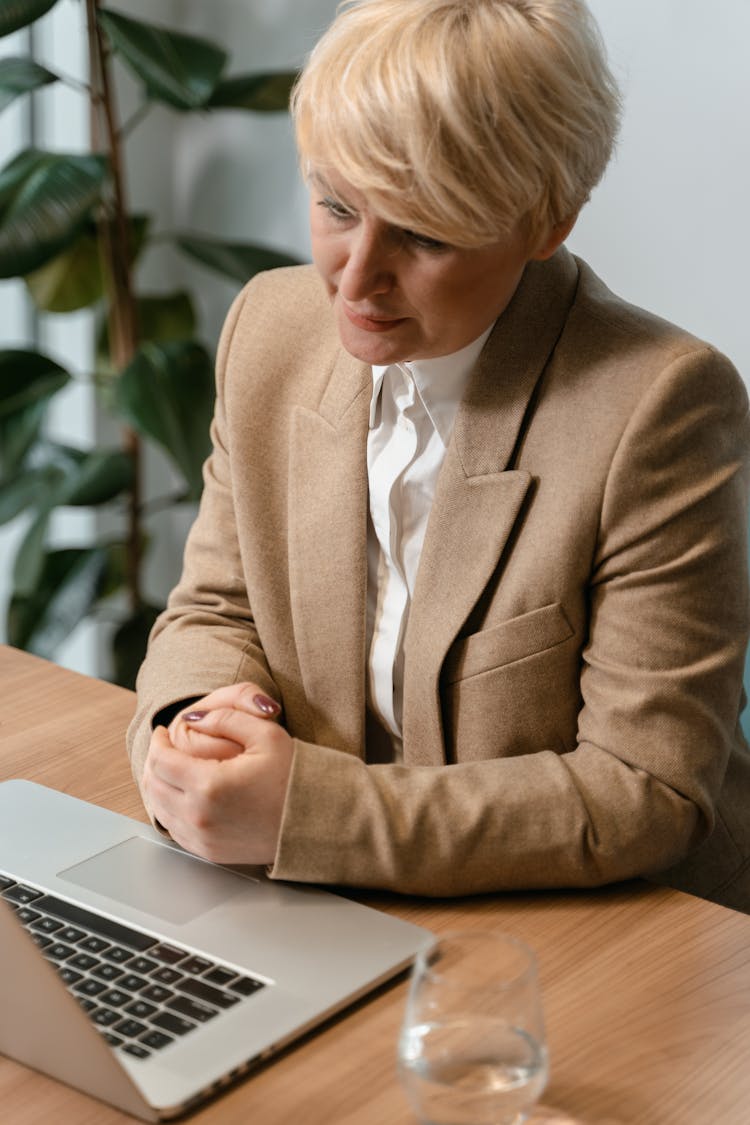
(245, 696)
(248, 729)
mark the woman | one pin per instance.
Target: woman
(465, 607)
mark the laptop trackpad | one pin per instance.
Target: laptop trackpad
(156, 879)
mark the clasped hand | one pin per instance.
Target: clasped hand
(216, 779)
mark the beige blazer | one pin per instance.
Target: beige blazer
(573, 657)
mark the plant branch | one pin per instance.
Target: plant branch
(114, 235)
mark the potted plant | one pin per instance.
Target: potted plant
(66, 229)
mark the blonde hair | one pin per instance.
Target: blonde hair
(461, 118)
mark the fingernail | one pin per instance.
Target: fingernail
(194, 716)
(265, 704)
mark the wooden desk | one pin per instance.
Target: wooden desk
(647, 991)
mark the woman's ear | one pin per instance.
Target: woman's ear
(554, 239)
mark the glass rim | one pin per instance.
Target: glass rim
(502, 937)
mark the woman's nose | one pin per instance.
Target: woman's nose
(369, 267)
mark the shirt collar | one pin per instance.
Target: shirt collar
(440, 383)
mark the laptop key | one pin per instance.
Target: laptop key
(113, 1040)
(71, 934)
(208, 993)
(167, 975)
(195, 965)
(46, 925)
(69, 976)
(105, 971)
(118, 954)
(156, 1040)
(105, 1017)
(136, 1050)
(156, 993)
(59, 951)
(132, 983)
(21, 894)
(94, 944)
(41, 940)
(168, 1021)
(27, 915)
(220, 976)
(5, 882)
(194, 1010)
(90, 987)
(141, 1010)
(129, 1028)
(246, 986)
(142, 965)
(116, 997)
(167, 954)
(83, 961)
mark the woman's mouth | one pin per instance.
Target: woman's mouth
(378, 323)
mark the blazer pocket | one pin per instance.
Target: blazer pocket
(532, 632)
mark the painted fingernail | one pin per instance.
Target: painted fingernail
(265, 704)
(194, 716)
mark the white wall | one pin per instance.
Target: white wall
(666, 228)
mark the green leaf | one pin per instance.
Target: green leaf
(23, 492)
(167, 393)
(26, 492)
(85, 478)
(44, 200)
(20, 76)
(15, 14)
(29, 561)
(27, 378)
(18, 432)
(65, 476)
(65, 594)
(129, 644)
(264, 93)
(103, 476)
(74, 279)
(181, 70)
(238, 260)
(169, 316)
(98, 477)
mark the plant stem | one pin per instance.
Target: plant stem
(114, 241)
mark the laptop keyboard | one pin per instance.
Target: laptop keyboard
(141, 993)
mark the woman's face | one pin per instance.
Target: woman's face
(398, 295)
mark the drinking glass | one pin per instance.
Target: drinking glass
(472, 1047)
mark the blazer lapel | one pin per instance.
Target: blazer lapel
(479, 495)
(328, 552)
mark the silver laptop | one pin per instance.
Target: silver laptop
(151, 979)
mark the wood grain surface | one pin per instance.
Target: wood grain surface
(646, 990)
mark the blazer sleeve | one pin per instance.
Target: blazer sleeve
(660, 686)
(206, 638)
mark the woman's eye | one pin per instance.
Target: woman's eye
(334, 208)
(425, 243)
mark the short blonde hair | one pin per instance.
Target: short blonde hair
(461, 118)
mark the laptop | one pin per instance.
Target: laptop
(151, 979)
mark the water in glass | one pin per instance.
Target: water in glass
(483, 1072)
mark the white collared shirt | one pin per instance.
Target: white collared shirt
(412, 413)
